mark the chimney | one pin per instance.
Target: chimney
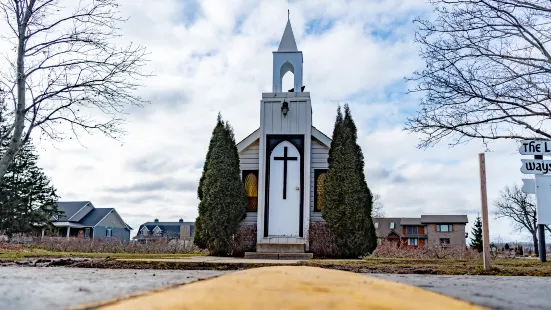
(181, 220)
(156, 220)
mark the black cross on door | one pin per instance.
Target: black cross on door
(285, 159)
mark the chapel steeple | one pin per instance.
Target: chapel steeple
(287, 58)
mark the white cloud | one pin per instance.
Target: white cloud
(216, 56)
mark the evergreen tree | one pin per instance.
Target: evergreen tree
(27, 199)
(199, 238)
(222, 193)
(348, 200)
(476, 232)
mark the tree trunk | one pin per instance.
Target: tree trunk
(15, 141)
(535, 239)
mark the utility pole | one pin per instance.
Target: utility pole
(484, 201)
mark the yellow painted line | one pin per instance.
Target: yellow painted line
(291, 287)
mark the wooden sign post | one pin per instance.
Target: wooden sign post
(484, 200)
(541, 185)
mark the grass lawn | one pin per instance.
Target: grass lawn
(8, 255)
(501, 267)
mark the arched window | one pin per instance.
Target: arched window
(251, 187)
(319, 190)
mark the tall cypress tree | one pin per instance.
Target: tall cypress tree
(348, 200)
(476, 239)
(222, 193)
(27, 199)
(200, 237)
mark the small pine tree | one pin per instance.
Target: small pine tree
(507, 247)
(348, 200)
(223, 197)
(27, 199)
(476, 232)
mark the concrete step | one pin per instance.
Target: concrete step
(282, 256)
(280, 247)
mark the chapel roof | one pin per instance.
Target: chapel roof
(288, 43)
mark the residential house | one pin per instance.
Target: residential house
(170, 230)
(446, 230)
(81, 217)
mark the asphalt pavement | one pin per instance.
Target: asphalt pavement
(59, 288)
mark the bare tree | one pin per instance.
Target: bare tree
(377, 207)
(488, 71)
(521, 209)
(65, 72)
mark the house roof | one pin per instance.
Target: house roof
(95, 216)
(166, 226)
(288, 43)
(69, 208)
(255, 135)
(410, 221)
(445, 219)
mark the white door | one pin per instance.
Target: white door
(284, 191)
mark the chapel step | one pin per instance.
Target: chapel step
(297, 247)
(281, 256)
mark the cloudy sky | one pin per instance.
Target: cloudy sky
(216, 56)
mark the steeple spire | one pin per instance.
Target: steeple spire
(288, 43)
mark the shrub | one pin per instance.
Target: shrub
(115, 245)
(430, 251)
(321, 241)
(244, 240)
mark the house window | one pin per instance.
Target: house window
(413, 241)
(444, 241)
(145, 231)
(444, 228)
(87, 233)
(250, 178)
(109, 232)
(319, 190)
(412, 230)
(376, 225)
(392, 226)
(157, 231)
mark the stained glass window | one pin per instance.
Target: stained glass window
(319, 189)
(251, 187)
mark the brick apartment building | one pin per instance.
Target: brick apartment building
(446, 230)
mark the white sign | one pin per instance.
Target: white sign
(543, 198)
(536, 166)
(529, 186)
(535, 147)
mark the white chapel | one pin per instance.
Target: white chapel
(284, 160)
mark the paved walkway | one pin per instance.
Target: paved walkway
(490, 291)
(57, 287)
(214, 259)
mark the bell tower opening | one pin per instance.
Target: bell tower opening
(287, 65)
(288, 78)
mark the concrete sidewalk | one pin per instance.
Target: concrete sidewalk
(215, 260)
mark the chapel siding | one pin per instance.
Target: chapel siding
(320, 154)
(248, 160)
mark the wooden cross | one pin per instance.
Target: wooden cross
(285, 159)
